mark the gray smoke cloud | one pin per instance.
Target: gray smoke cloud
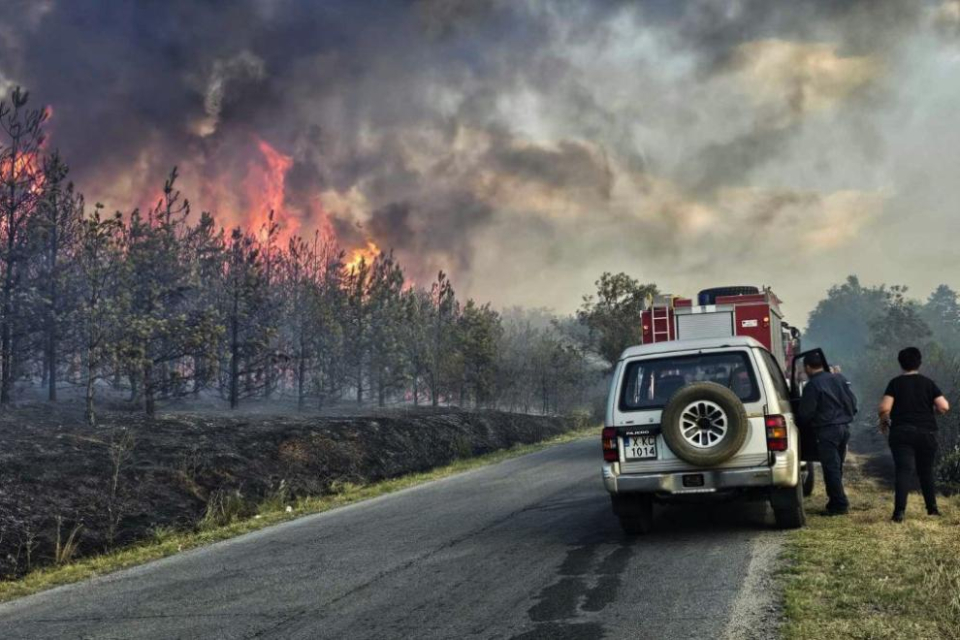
(525, 146)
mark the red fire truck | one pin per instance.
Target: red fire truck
(721, 312)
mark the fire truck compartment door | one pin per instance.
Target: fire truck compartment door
(717, 324)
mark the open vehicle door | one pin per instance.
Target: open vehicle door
(808, 436)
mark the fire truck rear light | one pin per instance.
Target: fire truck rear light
(609, 438)
(776, 433)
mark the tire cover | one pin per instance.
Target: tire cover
(703, 399)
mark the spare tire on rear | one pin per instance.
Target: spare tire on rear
(704, 423)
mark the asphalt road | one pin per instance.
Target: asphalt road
(527, 548)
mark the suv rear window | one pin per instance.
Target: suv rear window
(648, 384)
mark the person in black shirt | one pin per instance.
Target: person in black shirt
(828, 405)
(908, 412)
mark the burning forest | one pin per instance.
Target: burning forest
(261, 259)
(163, 303)
(344, 161)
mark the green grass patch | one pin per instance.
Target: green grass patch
(223, 522)
(864, 577)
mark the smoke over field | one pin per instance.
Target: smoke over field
(525, 147)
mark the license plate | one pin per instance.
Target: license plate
(640, 448)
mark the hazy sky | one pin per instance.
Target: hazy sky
(527, 146)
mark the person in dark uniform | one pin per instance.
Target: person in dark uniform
(828, 405)
(908, 413)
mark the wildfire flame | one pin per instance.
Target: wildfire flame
(26, 166)
(366, 254)
(262, 191)
(265, 188)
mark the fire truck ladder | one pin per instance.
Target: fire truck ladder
(660, 318)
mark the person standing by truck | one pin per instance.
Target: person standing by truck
(828, 405)
(908, 412)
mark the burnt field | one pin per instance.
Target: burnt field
(133, 476)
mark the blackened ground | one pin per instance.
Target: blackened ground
(54, 472)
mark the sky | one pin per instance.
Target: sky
(524, 146)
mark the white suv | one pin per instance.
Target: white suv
(703, 418)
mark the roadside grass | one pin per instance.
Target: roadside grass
(864, 577)
(221, 521)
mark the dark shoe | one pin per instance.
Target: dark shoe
(897, 516)
(833, 512)
(934, 512)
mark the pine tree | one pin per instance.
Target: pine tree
(269, 310)
(53, 232)
(207, 250)
(479, 332)
(329, 322)
(386, 322)
(244, 301)
(417, 306)
(165, 329)
(442, 317)
(103, 302)
(356, 326)
(21, 188)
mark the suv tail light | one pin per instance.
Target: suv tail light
(776, 433)
(609, 436)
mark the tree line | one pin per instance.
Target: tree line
(862, 328)
(163, 303)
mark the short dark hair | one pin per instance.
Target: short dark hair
(910, 359)
(813, 360)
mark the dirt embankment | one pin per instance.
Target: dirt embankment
(122, 481)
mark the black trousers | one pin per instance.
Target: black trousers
(914, 454)
(832, 447)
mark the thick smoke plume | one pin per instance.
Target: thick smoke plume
(525, 146)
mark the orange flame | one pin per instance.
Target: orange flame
(26, 166)
(265, 188)
(367, 254)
